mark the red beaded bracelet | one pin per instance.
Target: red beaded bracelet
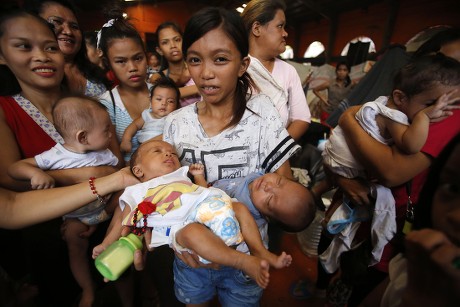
(94, 191)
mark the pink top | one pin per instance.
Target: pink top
(190, 99)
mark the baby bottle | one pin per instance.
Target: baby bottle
(322, 142)
(112, 262)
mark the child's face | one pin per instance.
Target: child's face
(411, 106)
(271, 193)
(128, 61)
(155, 159)
(446, 200)
(65, 26)
(163, 102)
(342, 72)
(215, 65)
(31, 52)
(154, 61)
(99, 136)
(170, 44)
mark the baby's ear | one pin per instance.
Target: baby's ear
(399, 97)
(137, 171)
(82, 137)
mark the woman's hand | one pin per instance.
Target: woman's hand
(127, 177)
(140, 255)
(356, 189)
(192, 260)
(433, 267)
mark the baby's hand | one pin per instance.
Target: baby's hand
(125, 146)
(97, 250)
(442, 108)
(41, 180)
(196, 169)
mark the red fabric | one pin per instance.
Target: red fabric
(324, 115)
(439, 135)
(31, 139)
(111, 76)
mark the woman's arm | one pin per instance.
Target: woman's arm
(65, 177)
(285, 170)
(188, 90)
(391, 166)
(320, 88)
(297, 128)
(18, 210)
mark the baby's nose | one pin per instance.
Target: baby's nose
(268, 186)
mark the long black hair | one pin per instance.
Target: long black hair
(230, 22)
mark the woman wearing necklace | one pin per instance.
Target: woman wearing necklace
(169, 38)
(32, 70)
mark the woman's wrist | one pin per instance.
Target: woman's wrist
(109, 184)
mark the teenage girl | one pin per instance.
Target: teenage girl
(337, 90)
(169, 38)
(124, 53)
(230, 132)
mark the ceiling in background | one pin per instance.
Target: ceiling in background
(297, 12)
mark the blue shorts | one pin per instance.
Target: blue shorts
(232, 286)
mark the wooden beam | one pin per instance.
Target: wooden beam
(332, 38)
(313, 5)
(390, 25)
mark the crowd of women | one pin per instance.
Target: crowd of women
(242, 109)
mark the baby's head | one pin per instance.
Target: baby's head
(421, 82)
(84, 121)
(164, 97)
(153, 159)
(282, 200)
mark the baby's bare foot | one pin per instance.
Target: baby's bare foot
(284, 260)
(278, 262)
(257, 269)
